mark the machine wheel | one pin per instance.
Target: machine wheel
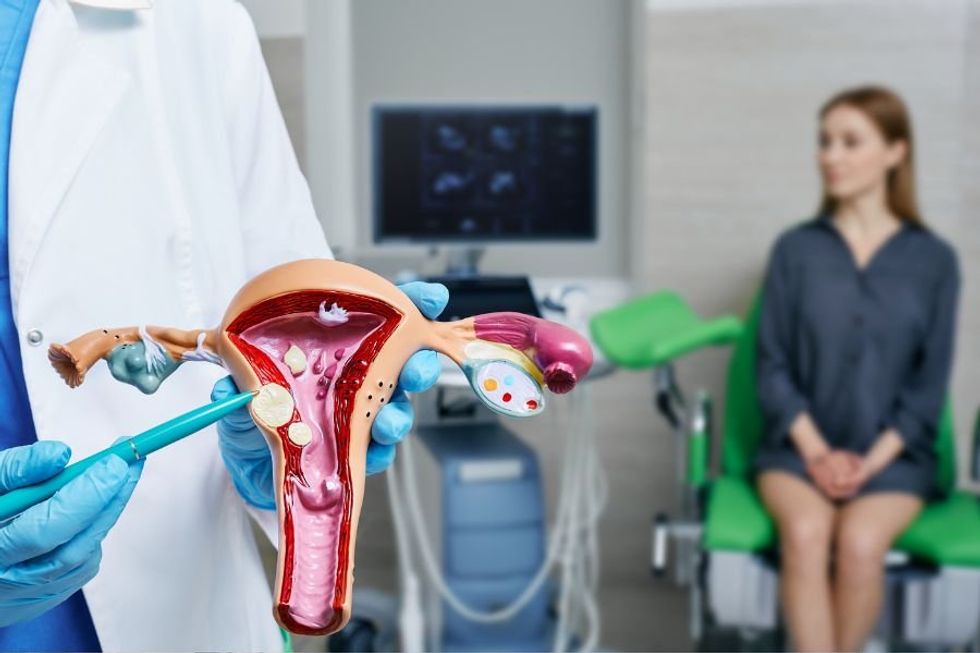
(358, 635)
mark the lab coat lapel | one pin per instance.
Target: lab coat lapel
(65, 95)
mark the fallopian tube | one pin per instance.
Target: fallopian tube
(322, 343)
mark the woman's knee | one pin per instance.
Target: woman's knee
(859, 550)
(805, 540)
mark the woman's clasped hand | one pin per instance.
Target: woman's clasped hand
(839, 473)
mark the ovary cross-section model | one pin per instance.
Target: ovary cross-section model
(322, 343)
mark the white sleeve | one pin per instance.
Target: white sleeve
(278, 221)
(268, 522)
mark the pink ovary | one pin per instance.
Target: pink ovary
(563, 355)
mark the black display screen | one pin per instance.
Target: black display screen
(487, 173)
(469, 296)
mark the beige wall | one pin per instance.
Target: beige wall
(967, 381)
(277, 18)
(729, 135)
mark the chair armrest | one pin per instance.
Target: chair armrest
(720, 331)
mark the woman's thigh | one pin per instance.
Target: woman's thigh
(869, 524)
(804, 517)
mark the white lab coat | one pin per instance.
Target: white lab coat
(151, 175)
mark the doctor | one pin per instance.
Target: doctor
(150, 175)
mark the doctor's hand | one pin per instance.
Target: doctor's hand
(420, 373)
(49, 551)
(246, 453)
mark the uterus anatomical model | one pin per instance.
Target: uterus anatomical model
(322, 343)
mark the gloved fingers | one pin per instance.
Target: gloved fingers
(71, 510)
(58, 568)
(237, 432)
(85, 545)
(253, 480)
(246, 445)
(31, 602)
(421, 371)
(379, 457)
(224, 388)
(430, 298)
(394, 420)
(23, 582)
(20, 466)
(240, 419)
(245, 452)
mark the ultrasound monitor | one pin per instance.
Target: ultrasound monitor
(478, 174)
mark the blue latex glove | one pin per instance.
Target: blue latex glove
(49, 551)
(244, 449)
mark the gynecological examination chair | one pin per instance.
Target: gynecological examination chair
(723, 544)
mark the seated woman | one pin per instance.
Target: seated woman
(854, 349)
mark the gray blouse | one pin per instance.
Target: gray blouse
(861, 350)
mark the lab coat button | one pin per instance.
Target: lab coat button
(34, 337)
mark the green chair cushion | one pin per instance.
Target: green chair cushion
(736, 519)
(947, 532)
(656, 329)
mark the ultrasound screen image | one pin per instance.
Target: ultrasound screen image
(460, 173)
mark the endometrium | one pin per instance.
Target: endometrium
(312, 373)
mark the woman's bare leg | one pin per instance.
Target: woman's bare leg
(805, 520)
(867, 527)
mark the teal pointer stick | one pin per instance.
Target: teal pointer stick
(130, 450)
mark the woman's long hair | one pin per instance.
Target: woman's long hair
(886, 110)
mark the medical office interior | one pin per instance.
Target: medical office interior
(686, 131)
